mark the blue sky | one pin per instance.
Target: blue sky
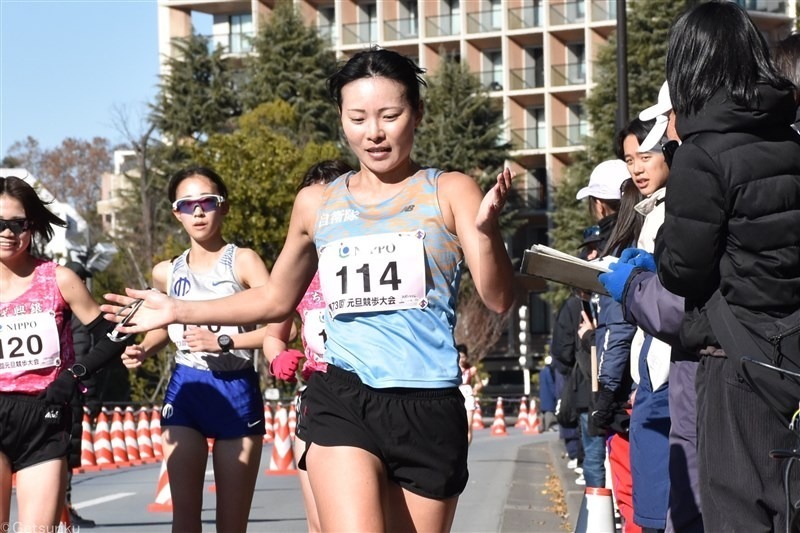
(65, 65)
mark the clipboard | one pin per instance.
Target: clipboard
(550, 264)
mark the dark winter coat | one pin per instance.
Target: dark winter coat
(733, 212)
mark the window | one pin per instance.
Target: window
(497, 14)
(368, 18)
(408, 12)
(576, 63)
(453, 9)
(241, 33)
(494, 69)
(326, 23)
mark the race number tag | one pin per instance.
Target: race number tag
(29, 342)
(381, 272)
(314, 330)
(176, 331)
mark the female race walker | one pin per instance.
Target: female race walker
(38, 373)
(470, 386)
(284, 363)
(214, 391)
(386, 446)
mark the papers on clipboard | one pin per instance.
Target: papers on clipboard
(548, 263)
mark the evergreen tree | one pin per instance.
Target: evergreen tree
(292, 63)
(648, 29)
(198, 95)
(462, 127)
(262, 170)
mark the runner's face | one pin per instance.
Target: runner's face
(200, 224)
(12, 244)
(379, 123)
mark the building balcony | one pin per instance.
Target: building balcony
(400, 29)
(526, 78)
(569, 136)
(604, 10)
(491, 80)
(568, 74)
(568, 13)
(231, 43)
(523, 18)
(529, 138)
(484, 21)
(533, 198)
(359, 33)
(442, 26)
(776, 7)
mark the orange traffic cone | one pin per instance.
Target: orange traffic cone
(102, 442)
(131, 442)
(269, 435)
(282, 460)
(534, 426)
(522, 416)
(88, 459)
(477, 416)
(118, 439)
(499, 423)
(597, 512)
(143, 438)
(163, 503)
(155, 431)
(65, 522)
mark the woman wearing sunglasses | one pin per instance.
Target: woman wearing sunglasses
(38, 373)
(213, 392)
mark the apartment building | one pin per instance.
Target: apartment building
(536, 56)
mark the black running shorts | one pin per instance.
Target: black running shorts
(420, 435)
(32, 431)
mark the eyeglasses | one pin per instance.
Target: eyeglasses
(591, 231)
(207, 202)
(16, 225)
(668, 149)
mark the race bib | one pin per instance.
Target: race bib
(29, 342)
(381, 272)
(176, 331)
(314, 330)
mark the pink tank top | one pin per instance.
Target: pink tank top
(38, 314)
(312, 312)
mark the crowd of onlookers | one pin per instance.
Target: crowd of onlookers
(678, 378)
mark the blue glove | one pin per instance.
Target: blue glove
(638, 258)
(615, 281)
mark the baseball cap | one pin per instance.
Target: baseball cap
(661, 107)
(658, 111)
(605, 180)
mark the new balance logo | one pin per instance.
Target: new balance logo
(409, 208)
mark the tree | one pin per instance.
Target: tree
(648, 29)
(71, 172)
(198, 95)
(292, 63)
(262, 169)
(462, 126)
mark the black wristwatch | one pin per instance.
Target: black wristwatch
(78, 371)
(225, 342)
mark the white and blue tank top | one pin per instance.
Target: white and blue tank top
(220, 281)
(390, 274)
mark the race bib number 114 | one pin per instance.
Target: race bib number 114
(382, 272)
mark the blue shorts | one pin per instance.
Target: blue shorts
(219, 405)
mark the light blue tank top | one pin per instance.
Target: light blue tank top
(221, 281)
(410, 347)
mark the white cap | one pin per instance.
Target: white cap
(660, 112)
(655, 135)
(662, 107)
(605, 180)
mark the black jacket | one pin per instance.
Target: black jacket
(733, 212)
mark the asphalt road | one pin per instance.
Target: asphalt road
(506, 492)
